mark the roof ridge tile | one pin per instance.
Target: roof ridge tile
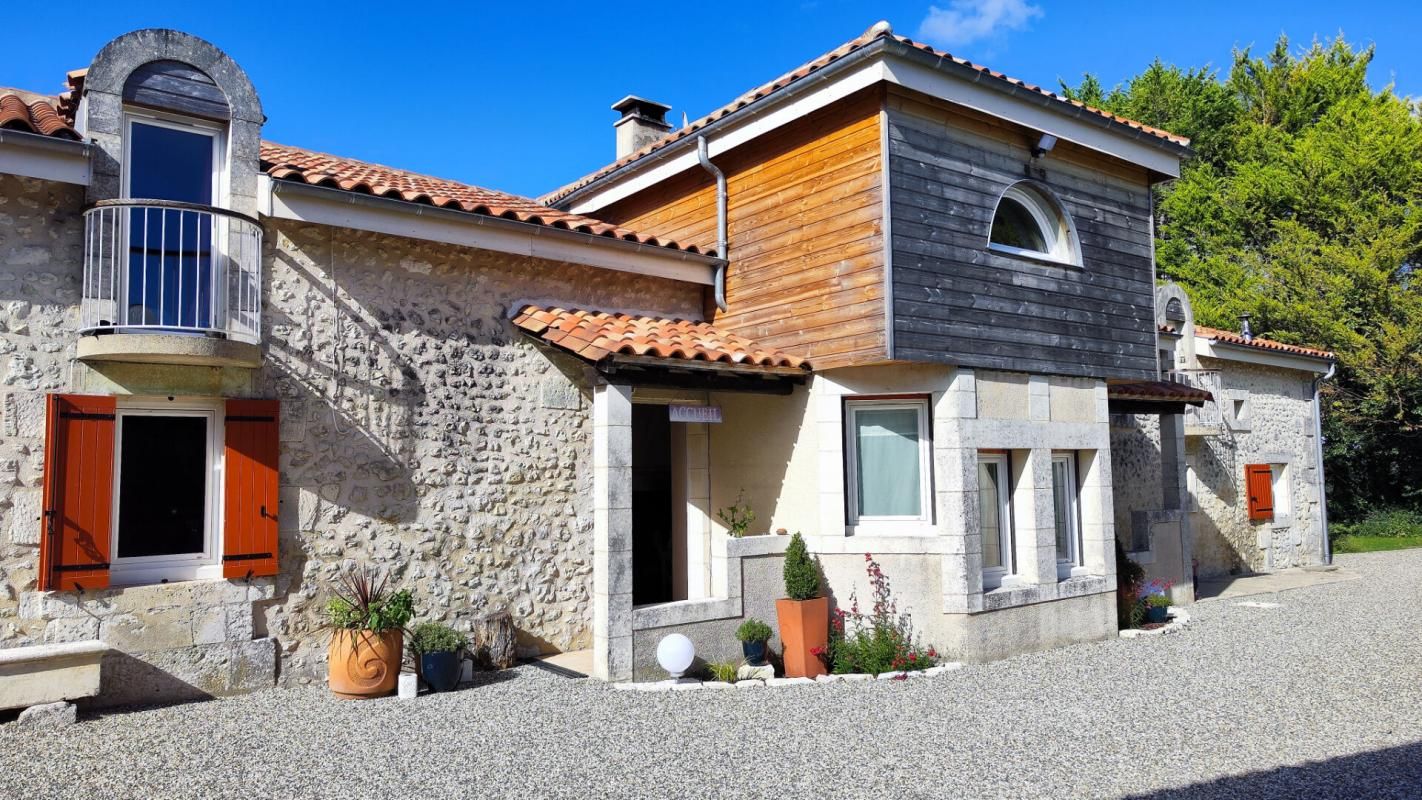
(814, 65)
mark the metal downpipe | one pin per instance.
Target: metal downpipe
(704, 156)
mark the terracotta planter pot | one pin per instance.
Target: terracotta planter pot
(804, 626)
(364, 664)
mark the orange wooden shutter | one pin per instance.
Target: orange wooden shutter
(249, 535)
(1259, 485)
(78, 492)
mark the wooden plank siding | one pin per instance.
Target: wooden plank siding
(955, 301)
(805, 229)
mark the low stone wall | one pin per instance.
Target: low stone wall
(1021, 620)
(1015, 630)
(762, 582)
(168, 642)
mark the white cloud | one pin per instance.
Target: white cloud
(966, 21)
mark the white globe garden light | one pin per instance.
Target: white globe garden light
(674, 653)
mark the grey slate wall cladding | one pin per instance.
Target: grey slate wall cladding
(955, 301)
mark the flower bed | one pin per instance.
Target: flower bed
(880, 641)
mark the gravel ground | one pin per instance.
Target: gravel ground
(1321, 697)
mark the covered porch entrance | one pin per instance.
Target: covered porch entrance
(660, 388)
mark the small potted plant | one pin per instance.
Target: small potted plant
(803, 614)
(438, 648)
(737, 518)
(1155, 596)
(753, 635)
(367, 637)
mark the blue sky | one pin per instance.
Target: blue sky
(515, 96)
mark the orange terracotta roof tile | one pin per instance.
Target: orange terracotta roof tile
(1157, 392)
(596, 335)
(1230, 337)
(320, 169)
(805, 70)
(33, 113)
(68, 104)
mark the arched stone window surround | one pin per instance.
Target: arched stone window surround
(102, 110)
(1043, 210)
(1173, 309)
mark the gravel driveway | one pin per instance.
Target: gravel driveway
(1321, 697)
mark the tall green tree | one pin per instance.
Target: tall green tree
(1303, 208)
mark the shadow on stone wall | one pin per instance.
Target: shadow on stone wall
(128, 681)
(1217, 553)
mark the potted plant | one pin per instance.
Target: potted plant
(367, 640)
(737, 518)
(437, 649)
(803, 614)
(1129, 576)
(753, 634)
(1155, 596)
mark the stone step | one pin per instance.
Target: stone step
(49, 673)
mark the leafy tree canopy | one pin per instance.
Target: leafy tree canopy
(1303, 208)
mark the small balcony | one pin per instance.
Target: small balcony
(171, 283)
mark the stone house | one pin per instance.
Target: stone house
(233, 364)
(890, 300)
(1241, 486)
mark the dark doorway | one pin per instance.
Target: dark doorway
(651, 505)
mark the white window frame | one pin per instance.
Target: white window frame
(1283, 498)
(1056, 226)
(213, 130)
(1066, 566)
(922, 524)
(186, 566)
(995, 577)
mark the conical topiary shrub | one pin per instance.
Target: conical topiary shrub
(803, 614)
(802, 578)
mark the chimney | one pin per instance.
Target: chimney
(642, 123)
(1244, 330)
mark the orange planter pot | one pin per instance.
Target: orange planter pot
(804, 626)
(364, 664)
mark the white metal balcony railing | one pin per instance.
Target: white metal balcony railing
(158, 266)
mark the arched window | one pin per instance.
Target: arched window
(1175, 310)
(1029, 222)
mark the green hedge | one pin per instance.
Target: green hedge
(1383, 523)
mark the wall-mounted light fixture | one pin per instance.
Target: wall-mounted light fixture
(1044, 145)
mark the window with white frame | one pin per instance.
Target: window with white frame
(995, 517)
(1279, 475)
(1027, 222)
(888, 456)
(1066, 513)
(169, 278)
(167, 463)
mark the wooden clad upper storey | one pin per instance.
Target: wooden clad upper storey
(863, 192)
(957, 301)
(805, 233)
